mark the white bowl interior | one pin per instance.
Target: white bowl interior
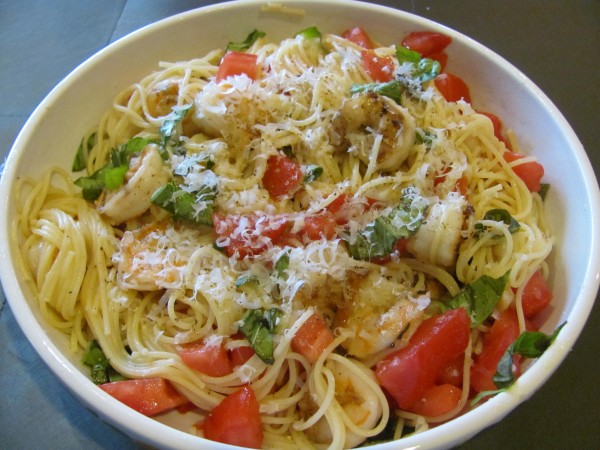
(53, 133)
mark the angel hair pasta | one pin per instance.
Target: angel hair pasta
(321, 234)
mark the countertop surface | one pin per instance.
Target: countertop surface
(554, 42)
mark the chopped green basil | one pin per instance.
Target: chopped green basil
(480, 297)
(310, 33)
(544, 188)
(258, 326)
(187, 206)
(404, 55)
(392, 89)
(426, 137)
(246, 278)
(168, 130)
(83, 151)
(312, 172)
(101, 370)
(378, 238)
(282, 265)
(112, 175)
(247, 43)
(498, 215)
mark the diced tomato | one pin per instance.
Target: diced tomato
(149, 396)
(282, 176)
(359, 37)
(407, 373)
(441, 57)
(426, 42)
(461, 186)
(319, 225)
(536, 295)
(237, 63)
(503, 332)
(210, 359)
(240, 355)
(437, 400)
(236, 420)
(379, 68)
(312, 338)
(530, 172)
(249, 234)
(452, 373)
(452, 87)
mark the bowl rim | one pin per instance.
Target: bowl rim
(133, 423)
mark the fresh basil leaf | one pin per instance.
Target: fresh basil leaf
(182, 205)
(498, 215)
(258, 326)
(83, 151)
(392, 89)
(378, 238)
(484, 394)
(529, 344)
(312, 172)
(282, 264)
(247, 43)
(404, 55)
(426, 137)
(100, 369)
(480, 297)
(310, 33)
(167, 131)
(427, 69)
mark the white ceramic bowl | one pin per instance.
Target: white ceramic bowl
(76, 104)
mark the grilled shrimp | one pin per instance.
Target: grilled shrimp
(154, 256)
(438, 238)
(146, 173)
(366, 120)
(378, 311)
(162, 98)
(354, 395)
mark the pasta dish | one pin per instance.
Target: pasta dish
(322, 237)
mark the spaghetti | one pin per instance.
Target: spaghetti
(294, 166)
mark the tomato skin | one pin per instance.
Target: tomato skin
(407, 373)
(237, 63)
(503, 332)
(379, 68)
(282, 176)
(320, 225)
(536, 295)
(240, 355)
(426, 42)
(437, 400)
(236, 420)
(530, 172)
(312, 338)
(209, 359)
(358, 36)
(149, 396)
(246, 233)
(452, 373)
(452, 87)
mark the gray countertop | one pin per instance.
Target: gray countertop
(554, 42)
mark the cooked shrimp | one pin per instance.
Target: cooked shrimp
(378, 311)
(162, 98)
(147, 173)
(373, 123)
(438, 238)
(153, 257)
(355, 396)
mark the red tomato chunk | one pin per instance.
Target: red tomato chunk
(530, 172)
(312, 338)
(452, 88)
(210, 359)
(426, 42)
(407, 373)
(358, 36)
(536, 295)
(379, 68)
(237, 63)
(282, 176)
(236, 420)
(149, 396)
